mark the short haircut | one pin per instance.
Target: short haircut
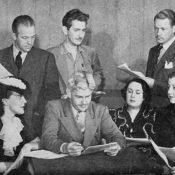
(24, 20)
(166, 13)
(171, 75)
(145, 87)
(78, 82)
(74, 14)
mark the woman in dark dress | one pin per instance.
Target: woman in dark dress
(137, 115)
(166, 120)
(12, 132)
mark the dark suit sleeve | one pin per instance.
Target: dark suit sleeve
(51, 126)
(110, 131)
(51, 81)
(160, 84)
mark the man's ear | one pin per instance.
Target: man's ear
(4, 101)
(65, 30)
(14, 36)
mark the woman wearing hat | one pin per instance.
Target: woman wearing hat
(13, 134)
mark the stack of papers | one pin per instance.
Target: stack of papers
(44, 154)
(97, 148)
(124, 67)
(159, 151)
(4, 72)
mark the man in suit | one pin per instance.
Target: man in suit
(71, 55)
(35, 66)
(161, 59)
(70, 125)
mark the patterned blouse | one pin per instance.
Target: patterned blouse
(144, 120)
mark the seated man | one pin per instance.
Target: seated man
(70, 125)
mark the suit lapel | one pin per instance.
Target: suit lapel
(169, 56)
(28, 64)
(61, 64)
(69, 122)
(90, 126)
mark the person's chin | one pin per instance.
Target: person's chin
(172, 100)
(159, 41)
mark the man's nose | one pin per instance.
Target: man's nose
(81, 34)
(159, 32)
(29, 41)
(84, 101)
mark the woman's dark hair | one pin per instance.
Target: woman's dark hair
(171, 75)
(145, 87)
(7, 90)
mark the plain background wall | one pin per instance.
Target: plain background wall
(120, 30)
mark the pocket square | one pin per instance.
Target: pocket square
(168, 65)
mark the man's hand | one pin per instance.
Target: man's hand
(113, 150)
(149, 81)
(74, 149)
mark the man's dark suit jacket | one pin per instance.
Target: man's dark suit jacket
(40, 71)
(160, 88)
(60, 126)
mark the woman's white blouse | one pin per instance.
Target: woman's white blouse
(10, 134)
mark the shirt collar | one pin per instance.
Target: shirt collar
(16, 51)
(168, 43)
(75, 112)
(64, 51)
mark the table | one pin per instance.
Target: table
(128, 161)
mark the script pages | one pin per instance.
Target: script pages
(124, 67)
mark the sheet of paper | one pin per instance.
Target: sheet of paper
(4, 72)
(44, 154)
(97, 148)
(16, 164)
(160, 153)
(169, 152)
(139, 140)
(124, 67)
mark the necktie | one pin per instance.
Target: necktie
(155, 60)
(18, 60)
(80, 119)
(158, 53)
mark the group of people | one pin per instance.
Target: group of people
(47, 103)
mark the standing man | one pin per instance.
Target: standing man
(72, 124)
(34, 65)
(71, 56)
(161, 59)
